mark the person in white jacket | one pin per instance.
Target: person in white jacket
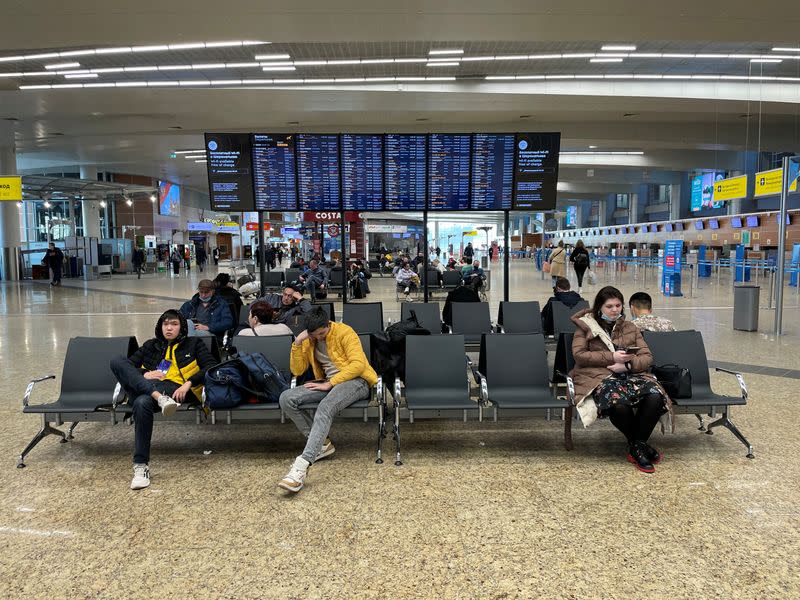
(260, 321)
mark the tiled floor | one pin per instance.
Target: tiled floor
(479, 510)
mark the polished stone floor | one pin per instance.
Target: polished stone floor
(479, 510)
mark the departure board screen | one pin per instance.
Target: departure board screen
(318, 172)
(274, 171)
(404, 172)
(492, 171)
(228, 163)
(536, 166)
(448, 171)
(362, 172)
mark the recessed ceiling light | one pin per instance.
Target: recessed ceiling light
(272, 56)
(446, 51)
(103, 203)
(618, 48)
(66, 65)
(592, 147)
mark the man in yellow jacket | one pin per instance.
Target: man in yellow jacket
(342, 375)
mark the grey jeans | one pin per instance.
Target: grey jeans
(331, 403)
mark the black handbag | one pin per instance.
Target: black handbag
(675, 380)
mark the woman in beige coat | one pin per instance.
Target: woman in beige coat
(558, 262)
(611, 378)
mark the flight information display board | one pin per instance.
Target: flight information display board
(404, 171)
(492, 171)
(318, 172)
(274, 172)
(448, 171)
(536, 171)
(362, 172)
(228, 163)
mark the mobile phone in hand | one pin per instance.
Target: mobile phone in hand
(632, 349)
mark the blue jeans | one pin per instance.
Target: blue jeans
(331, 403)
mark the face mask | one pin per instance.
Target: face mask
(605, 317)
(205, 298)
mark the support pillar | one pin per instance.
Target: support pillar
(10, 212)
(90, 209)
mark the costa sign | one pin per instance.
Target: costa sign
(349, 215)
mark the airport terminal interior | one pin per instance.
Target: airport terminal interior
(150, 152)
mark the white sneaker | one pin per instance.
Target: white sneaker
(141, 477)
(167, 405)
(293, 480)
(326, 450)
(407, 290)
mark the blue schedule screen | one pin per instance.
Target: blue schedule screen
(448, 171)
(318, 172)
(362, 172)
(492, 171)
(405, 172)
(274, 175)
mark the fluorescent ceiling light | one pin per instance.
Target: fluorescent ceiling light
(442, 64)
(175, 67)
(606, 60)
(67, 65)
(201, 150)
(140, 69)
(109, 70)
(287, 63)
(476, 58)
(376, 61)
(34, 87)
(309, 63)
(618, 48)
(209, 66)
(410, 60)
(160, 48)
(445, 51)
(781, 49)
(543, 56)
(194, 156)
(242, 65)
(272, 56)
(119, 50)
(99, 85)
(200, 161)
(12, 74)
(348, 61)
(226, 82)
(448, 59)
(76, 72)
(162, 84)
(190, 46)
(78, 52)
(38, 56)
(766, 60)
(278, 69)
(81, 76)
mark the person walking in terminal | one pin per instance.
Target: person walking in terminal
(163, 373)
(558, 262)
(175, 259)
(642, 310)
(138, 261)
(469, 252)
(289, 304)
(561, 293)
(342, 375)
(611, 379)
(316, 278)
(200, 256)
(580, 262)
(54, 259)
(208, 314)
(215, 255)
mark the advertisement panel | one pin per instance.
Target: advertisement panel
(11, 188)
(671, 268)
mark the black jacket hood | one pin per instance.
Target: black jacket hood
(570, 297)
(184, 327)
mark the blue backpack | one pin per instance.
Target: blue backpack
(244, 377)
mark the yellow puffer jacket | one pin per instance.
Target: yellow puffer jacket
(345, 351)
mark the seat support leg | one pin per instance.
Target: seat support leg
(568, 427)
(381, 432)
(726, 422)
(702, 423)
(70, 430)
(396, 431)
(43, 433)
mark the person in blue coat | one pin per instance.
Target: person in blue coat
(207, 313)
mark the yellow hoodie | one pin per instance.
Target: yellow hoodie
(345, 351)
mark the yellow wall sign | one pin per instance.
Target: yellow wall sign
(11, 188)
(730, 189)
(470, 233)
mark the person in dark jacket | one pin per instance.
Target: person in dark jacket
(463, 293)
(200, 256)
(580, 262)
(315, 279)
(208, 314)
(289, 306)
(469, 252)
(224, 289)
(138, 261)
(163, 373)
(54, 259)
(215, 255)
(561, 293)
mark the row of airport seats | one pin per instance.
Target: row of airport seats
(512, 376)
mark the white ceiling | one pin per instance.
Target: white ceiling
(679, 125)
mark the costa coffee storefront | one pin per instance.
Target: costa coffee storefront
(323, 230)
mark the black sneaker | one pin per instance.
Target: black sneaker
(638, 456)
(652, 454)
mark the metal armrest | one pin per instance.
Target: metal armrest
(398, 387)
(570, 387)
(739, 378)
(29, 389)
(120, 396)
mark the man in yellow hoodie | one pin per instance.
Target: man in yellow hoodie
(342, 376)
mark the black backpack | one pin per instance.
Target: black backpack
(582, 260)
(389, 348)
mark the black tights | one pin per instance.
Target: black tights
(639, 424)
